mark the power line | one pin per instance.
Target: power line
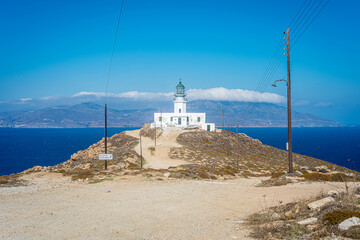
(113, 50)
(275, 61)
(310, 23)
(298, 13)
(302, 19)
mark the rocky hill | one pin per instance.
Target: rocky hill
(192, 154)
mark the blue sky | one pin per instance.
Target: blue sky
(60, 48)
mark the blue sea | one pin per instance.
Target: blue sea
(22, 148)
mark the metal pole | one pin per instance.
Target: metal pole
(291, 170)
(237, 141)
(155, 132)
(161, 118)
(106, 135)
(228, 127)
(141, 157)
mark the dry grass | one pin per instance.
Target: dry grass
(339, 215)
(146, 131)
(11, 181)
(79, 174)
(337, 177)
(219, 153)
(274, 182)
(329, 216)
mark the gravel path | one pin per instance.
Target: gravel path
(53, 207)
(159, 159)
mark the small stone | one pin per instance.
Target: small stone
(311, 227)
(289, 215)
(308, 221)
(167, 174)
(333, 193)
(297, 208)
(320, 203)
(275, 216)
(348, 223)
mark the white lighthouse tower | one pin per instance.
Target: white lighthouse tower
(180, 117)
(180, 100)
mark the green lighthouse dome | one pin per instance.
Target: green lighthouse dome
(180, 90)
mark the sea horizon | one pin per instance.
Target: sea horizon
(24, 148)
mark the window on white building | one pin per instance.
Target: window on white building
(179, 110)
(160, 119)
(198, 119)
(171, 119)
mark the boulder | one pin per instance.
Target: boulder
(320, 203)
(348, 223)
(308, 221)
(275, 216)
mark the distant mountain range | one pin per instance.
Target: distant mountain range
(92, 115)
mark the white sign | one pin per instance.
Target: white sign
(105, 157)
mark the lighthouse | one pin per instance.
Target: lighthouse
(179, 99)
(180, 118)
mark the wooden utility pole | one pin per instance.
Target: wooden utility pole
(223, 123)
(291, 170)
(106, 135)
(141, 156)
(237, 146)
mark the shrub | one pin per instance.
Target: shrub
(337, 216)
(353, 232)
(277, 175)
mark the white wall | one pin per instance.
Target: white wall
(179, 103)
(166, 119)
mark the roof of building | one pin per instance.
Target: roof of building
(180, 85)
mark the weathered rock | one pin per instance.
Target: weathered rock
(333, 193)
(348, 223)
(167, 174)
(308, 221)
(289, 215)
(275, 216)
(35, 169)
(320, 203)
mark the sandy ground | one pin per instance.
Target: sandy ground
(136, 207)
(160, 157)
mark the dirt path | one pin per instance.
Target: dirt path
(160, 157)
(53, 207)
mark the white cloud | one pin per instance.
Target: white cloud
(25, 99)
(301, 103)
(145, 95)
(324, 104)
(218, 94)
(240, 95)
(89, 94)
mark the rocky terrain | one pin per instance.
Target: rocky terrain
(331, 215)
(223, 157)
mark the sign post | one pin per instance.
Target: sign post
(105, 157)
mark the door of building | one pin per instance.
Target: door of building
(179, 121)
(208, 127)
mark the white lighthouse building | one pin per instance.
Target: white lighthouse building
(180, 117)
